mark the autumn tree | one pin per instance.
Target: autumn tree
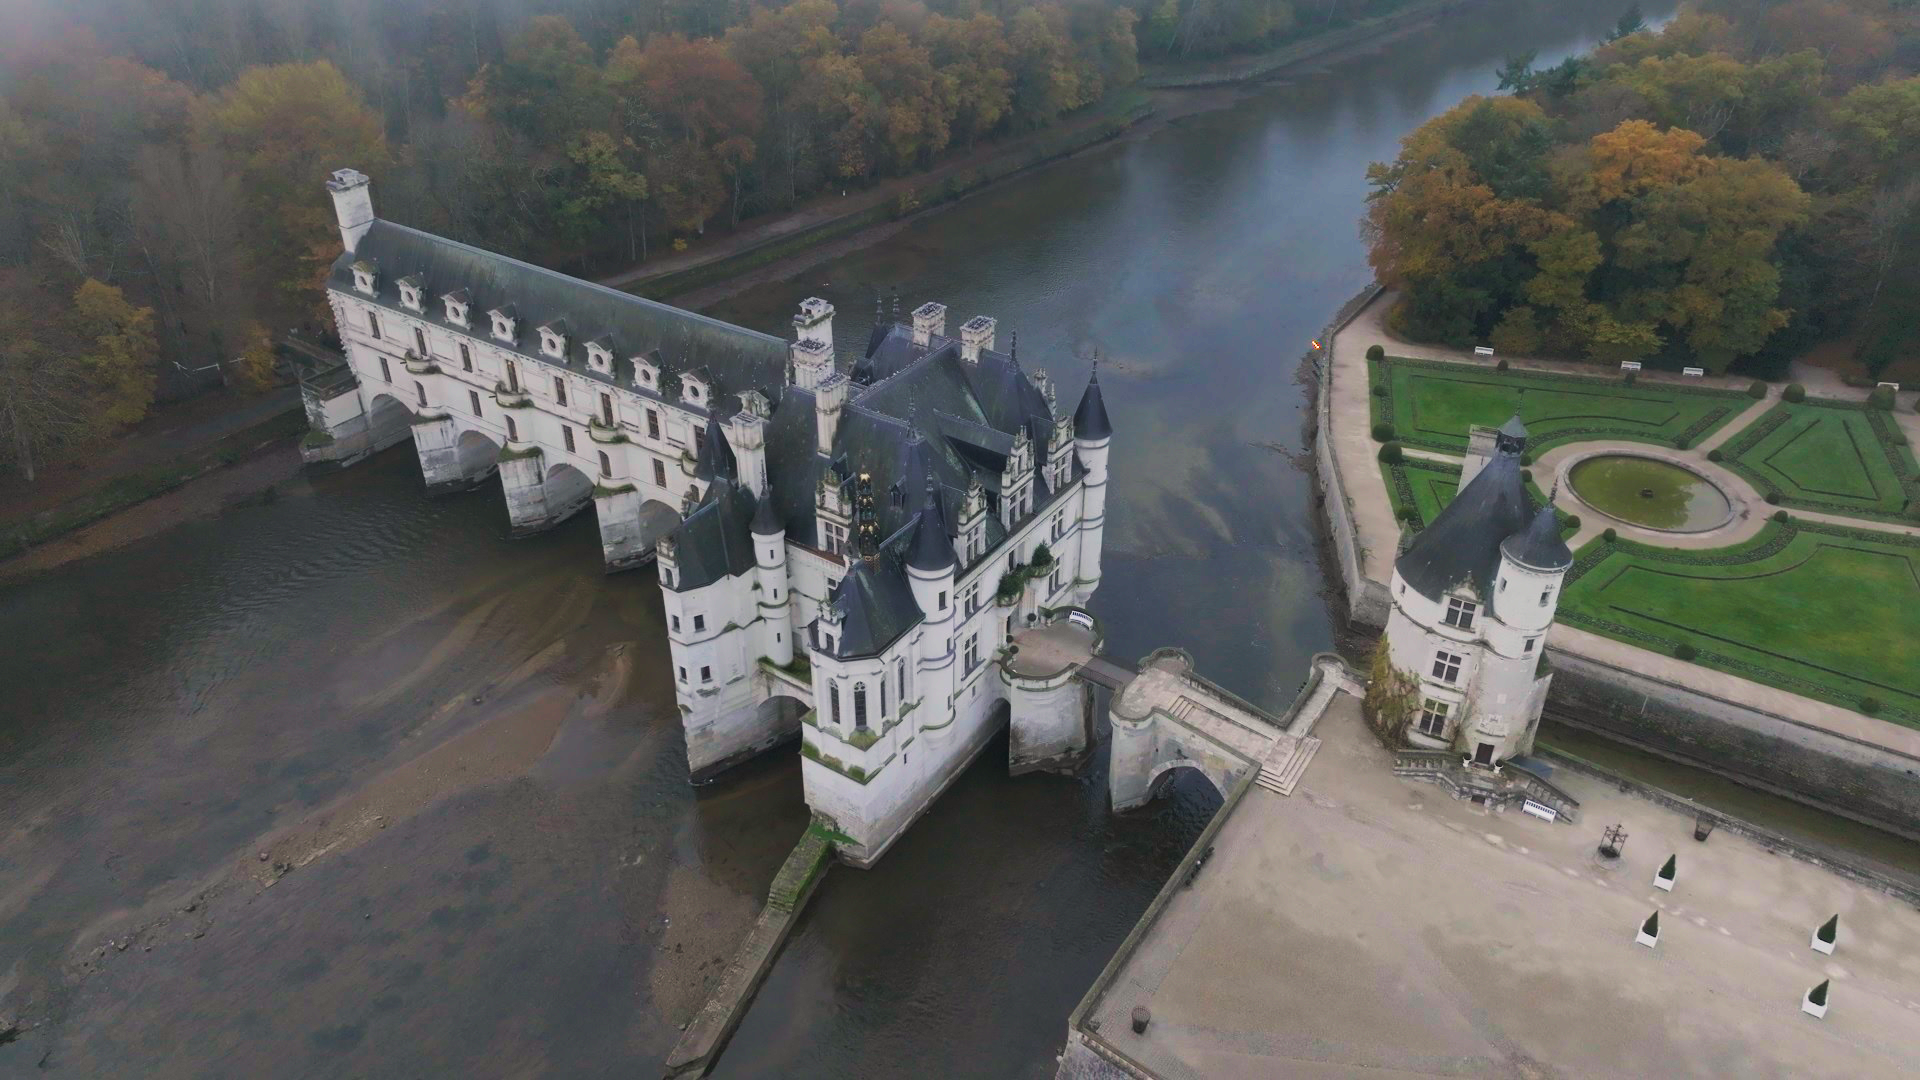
(284, 127)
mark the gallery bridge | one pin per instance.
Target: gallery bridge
(1165, 716)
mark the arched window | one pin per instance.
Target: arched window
(883, 697)
(606, 464)
(900, 671)
(513, 431)
(420, 339)
(833, 694)
(859, 706)
(421, 388)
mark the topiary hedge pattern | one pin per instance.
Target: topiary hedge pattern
(1794, 393)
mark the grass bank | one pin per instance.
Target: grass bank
(131, 489)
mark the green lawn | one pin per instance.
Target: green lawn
(1832, 456)
(1821, 610)
(1431, 404)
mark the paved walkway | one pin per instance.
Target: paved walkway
(1379, 531)
(1370, 926)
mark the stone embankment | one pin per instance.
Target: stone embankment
(700, 1044)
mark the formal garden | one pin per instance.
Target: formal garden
(1836, 457)
(1822, 610)
(1818, 608)
(1431, 404)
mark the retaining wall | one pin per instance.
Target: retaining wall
(1856, 780)
(1367, 601)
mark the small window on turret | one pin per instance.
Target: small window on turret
(1544, 594)
(1460, 612)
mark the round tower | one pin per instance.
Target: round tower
(770, 574)
(1092, 436)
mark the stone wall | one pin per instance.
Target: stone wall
(1855, 780)
(1367, 600)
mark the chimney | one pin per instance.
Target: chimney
(929, 320)
(976, 334)
(829, 397)
(352, 205)
(815, 322)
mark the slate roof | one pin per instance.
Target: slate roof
(875, 604)
(714, 541)
(737, 359)
(930, 548)
(1540, 547)
(1462, 544)
(1090, 419)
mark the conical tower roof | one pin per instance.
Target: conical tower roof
(716, 458)
(1462, 545)
(1090, 419)
(1539, 547)
(930, 549)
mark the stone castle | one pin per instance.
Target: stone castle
(844, 549)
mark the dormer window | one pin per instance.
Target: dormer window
(645, 373)
(693, 390)
(1460, 612)
(503, 327)
(410, 293)
(553, 343)
(599, 358)
(456, 307)
(365, 278)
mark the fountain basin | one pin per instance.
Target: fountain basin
(1650, 492)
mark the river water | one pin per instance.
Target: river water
(346, 783)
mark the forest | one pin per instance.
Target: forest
(1732, 190)
(161, 211)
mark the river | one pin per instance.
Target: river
(345, 783)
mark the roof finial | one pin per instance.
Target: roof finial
(896, 303)
(1013, 347)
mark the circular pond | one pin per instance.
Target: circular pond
(1649, 492)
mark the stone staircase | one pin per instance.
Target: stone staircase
(1286, 763)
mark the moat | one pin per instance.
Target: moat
(547, 894)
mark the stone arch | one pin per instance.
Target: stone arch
(1162, 774)
(780, 712)
(388, 419)
(479, 454)
(567, 490)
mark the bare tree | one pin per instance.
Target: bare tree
(186, 212)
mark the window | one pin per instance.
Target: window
(859, 706)
(900, 676)
(559, 390)
(973, 600)
(683, 674)
(942, 605)
(973, 652)
(1544, 594)
(659, 473)
(653, 424)
(1446, 666)
(513, 431)
(833, 690)
(883, 697)
(606, 410)
(1433, 717)
(473, 399)
(1460, 612)
(666, 578)
(513, 378)
(566, 436)
(1527, 649)
(421, 389)
(836, 541)
(373, 325)
(706, 674)
(420, 342)
(675, 619)
(386, 373)
(606, 464)
(699, 623)
(466, 358)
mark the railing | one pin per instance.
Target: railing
(1541, 790)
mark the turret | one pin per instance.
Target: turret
(352, 205)
(930, 559)
(770, 574)
(1092, 436)
(1532, 563)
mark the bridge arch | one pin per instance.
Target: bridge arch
(478, 453)
(1162, 775)
(388, 419)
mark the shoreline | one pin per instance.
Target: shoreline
(1170, 100)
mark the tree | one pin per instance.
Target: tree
(115, 350)
(1392, 699)
(701, 101)
(547, 87)
(914, 103)
(283, 126)
(1632, 21)
(972, 56)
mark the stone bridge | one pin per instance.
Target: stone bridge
(1164, 716)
